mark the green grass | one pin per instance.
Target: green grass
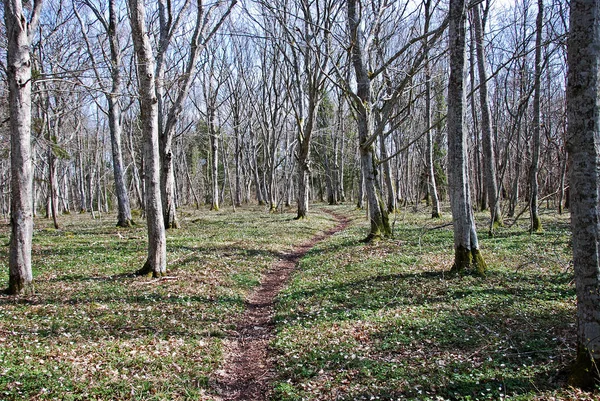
(386, 321)
(358, 321)
(92, 331)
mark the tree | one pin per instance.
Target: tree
(489, 157)
(156, 264)
(433, 192)
(536, 222)
(466, 245)
(113, 97)
(378, 215)
(19, 32)
(583, 145)
(203, 32)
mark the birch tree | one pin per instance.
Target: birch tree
(583, 145)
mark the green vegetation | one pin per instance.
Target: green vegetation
(383, 320)
(93, 331)
(386, 320)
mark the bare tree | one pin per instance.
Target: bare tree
(156, 264)
(466, 245)
(204, 30)
(378, 215)
(114, 99)
(536, 222)
(583, 144)
(489, 157)
(19, 32)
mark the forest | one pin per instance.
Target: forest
(300, 199)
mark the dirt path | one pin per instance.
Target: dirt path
(248, 368)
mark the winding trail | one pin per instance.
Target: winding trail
(248, 367)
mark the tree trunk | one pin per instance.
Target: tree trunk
(489, 158)
(378, 215)
(52, 189)
(583, 145)
(156, 264)
(114, 121)
(303, 179)
(214, 160)
(536, 223)
(466, 246)
(18, 69)
(435, 203)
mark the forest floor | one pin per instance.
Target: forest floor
(356, 321)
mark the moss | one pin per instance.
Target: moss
(436, 215)
(536, 225)
(584, 371)
(385, 228)
(127, 223)
(479, 264)
(466, 259)
(462, 259)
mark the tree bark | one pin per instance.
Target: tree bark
(435, 203)
(466, 245)
(583, 146)
(19, 33)
(378, 215)
(124, 218)
(156, 264)
(489, 157)
(536, 223)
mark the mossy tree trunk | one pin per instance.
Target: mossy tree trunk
(466, 246)
(583, 146)
(156, 263)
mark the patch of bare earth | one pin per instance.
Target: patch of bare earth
(248, 367)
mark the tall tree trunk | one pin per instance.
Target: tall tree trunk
(52, 188)
(561, 189)
(19, 33)
(214, 159)
(114, 120)
(303, 179)
(466, 245)
(378, 215)
(156, 264)
(583, 145)
(489, 157)
(435, 203)
(536, 222)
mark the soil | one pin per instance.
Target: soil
(248, 367)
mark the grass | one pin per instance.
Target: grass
(94, 332)
(357, 322)
(385, 320)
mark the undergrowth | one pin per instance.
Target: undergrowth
(385, 321)
(93, 331)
